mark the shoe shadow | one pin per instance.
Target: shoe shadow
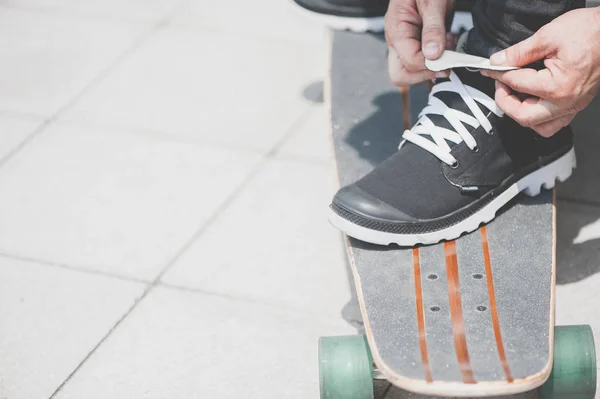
(377, 137)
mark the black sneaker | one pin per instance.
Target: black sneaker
(461, 162)
(354, 15)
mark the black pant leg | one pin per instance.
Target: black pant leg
(499, 24)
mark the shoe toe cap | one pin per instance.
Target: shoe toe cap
(362, 204)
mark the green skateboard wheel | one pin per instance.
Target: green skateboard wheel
(573, 375)
(345, 368)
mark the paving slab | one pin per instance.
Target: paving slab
(136, 10)
(52, 318)
(269, 19)
(15, 131)
(48, 59)
(273, 244)
(110, 200)
(312, 141)
(194, 85)
(178, 344)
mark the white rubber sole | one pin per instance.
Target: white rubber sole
(462, 20)
(531, 185)
(360, 25)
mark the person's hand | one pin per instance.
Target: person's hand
(570, 48)
(415, 29)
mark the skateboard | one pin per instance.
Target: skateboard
(472, 317)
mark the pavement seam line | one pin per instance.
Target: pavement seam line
(268, 156)
(41, 262)
(99, 77)
(245, 299)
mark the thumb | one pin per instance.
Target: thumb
(434, 28)
(523, 53)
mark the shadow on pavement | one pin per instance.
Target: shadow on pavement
(313, 92)
(578, 209)
(377, 137)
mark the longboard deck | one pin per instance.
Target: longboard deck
(471, 317)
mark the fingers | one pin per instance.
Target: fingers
(409, 53)
(433, 13)
(508, 102)
(548, 129)
(528, 81)
(400, 76)
(407, 23)
(526, 52)
(402, 33)
(530, 112)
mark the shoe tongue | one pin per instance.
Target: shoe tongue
(468, 78)
(473, 79)
(476, 80)
(454, 100)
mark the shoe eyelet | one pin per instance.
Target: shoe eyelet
(454, 165)
(491, 133)
(476, 149)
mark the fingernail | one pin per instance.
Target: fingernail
(431, 49)
(441, 75)
(498, 58)
(483, 72)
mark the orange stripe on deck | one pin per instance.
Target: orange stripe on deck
(404, 90)
(421, 315)
(458, 325)
(493, 307)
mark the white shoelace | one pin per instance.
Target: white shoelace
(424, 126)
